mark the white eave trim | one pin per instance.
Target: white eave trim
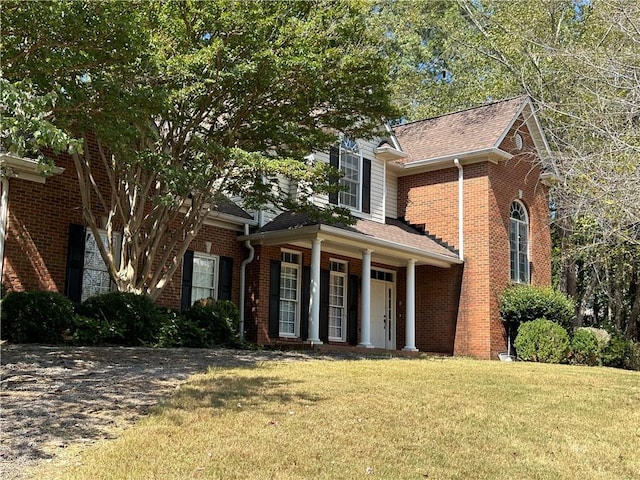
(387, 152)
(12, 166)
(492, 154)
(329, 232)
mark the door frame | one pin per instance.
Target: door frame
(390, 310)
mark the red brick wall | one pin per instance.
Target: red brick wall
(37, 235)
(432, 198)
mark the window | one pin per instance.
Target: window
(204, 282)
(519, 240)
(95, 274)
(350, 166)
(289, 294)
(337, 300)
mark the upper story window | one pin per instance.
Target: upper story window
(519, 243)
(351, 167)
(356, 178)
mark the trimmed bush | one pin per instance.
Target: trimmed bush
(617, 351)
(218, 319)
(542, 340)
(122, 319)
(36, 317)
(584, 348)
(525, 303)
(178, 331)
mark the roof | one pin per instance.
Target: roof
(393, 232)
(228, 207)
(479, 128)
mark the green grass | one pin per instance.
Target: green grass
(391, 418)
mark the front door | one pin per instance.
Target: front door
(383, 325)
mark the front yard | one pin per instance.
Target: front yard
(380, 418)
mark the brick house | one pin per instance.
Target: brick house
(449, 211)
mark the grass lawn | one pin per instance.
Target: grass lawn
(382, 418)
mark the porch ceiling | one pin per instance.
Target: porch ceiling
(392, 243)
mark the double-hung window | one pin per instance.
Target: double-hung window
(337, 301)
(351, 168)
(289, 294)
(205, 276)
(519, 243)
(95, 274)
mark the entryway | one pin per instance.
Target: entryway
(383, 320)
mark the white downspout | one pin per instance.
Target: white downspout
(243, 276)
(4, 205)
(460, 209)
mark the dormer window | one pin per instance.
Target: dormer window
(356, 176)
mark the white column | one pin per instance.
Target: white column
(313, 336)
(410, 315)
(365, 330)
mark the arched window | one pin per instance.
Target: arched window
(519, 240)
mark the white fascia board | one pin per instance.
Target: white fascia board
(353, 239)
(492, 154)
(387, 153)
(29, 169)
(513, 120)
(533, 124)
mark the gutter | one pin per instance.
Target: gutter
(243, 280)
(441, 161)
(311, 231)
(456, 162)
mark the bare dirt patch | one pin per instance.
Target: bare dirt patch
(55, 397)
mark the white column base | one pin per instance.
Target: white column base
(313, 342)
(410, 349)
(366, 345)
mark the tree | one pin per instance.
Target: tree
(192, 101)
(580, 62)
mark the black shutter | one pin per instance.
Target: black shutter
(187, 279)
(306, 299)
(225, 278)
(324, 305)
(334, 160)
(75, 262)
(274, 299)
(366, 185)
(352, 310)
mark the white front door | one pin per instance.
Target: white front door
(383, 325)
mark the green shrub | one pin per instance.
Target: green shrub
(123, 318)
(633, 358)
(97, 331)
(617, 351)
(584, 348)
(36, 317)
(542, 340)
(178, 331)
(525, 303)
(218, 319)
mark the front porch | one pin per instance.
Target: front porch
(339, 287)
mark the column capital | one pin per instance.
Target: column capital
(367, 251)
(411, 261)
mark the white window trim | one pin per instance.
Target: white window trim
(216, 270)
(117, 237)
(298, 267)
(342, 150)
(345, 276)
(520, 223)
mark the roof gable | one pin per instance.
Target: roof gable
(479, 129)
